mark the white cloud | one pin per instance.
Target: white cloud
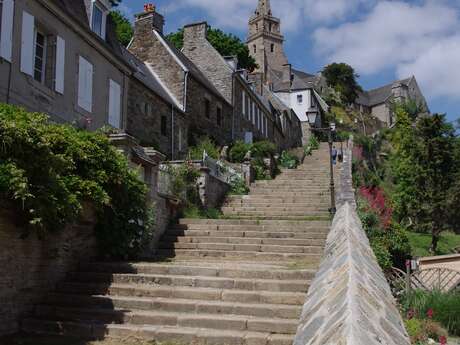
(413, 39)
(328, 10)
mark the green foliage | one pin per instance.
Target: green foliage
(421, 330)
(238, 186)
(184, 183)
(391, 245)
(288, 160)
(225, 44)
(204, 144)
(123, 27)
(260, 169)
(425, 174)
(49, 171)
(314, 143)
(445, 307)
(342, 78)
(263, 149)
(238, 151)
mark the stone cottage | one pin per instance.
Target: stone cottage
(377, 102)
(206, 111)
(61, 57)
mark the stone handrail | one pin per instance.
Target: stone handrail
(349, 301)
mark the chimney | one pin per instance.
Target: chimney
(195, 31)
(149, 20)
(287, 74)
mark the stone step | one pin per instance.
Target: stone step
(256, 256)
(245, 240)
(249, 234)
(275, 214)
(180, 292)
(192, 281)
(308, 194)
(201, 269)
(162, 318)
(242, 247)
(274, 208)
(245, 222)
(275, 198)
(175, 305)
(170, 334)
(278, 217)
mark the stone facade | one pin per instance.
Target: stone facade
(67, 20)
(250, 112)
(32, 267)
(350, 301)
(265, 41)
(205, 108)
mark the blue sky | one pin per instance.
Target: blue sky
(382, 40)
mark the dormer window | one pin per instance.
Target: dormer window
(98, 19)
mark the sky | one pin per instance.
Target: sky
(384, 40)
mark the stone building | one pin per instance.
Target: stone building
(61, 57)
(377, 102)
(206, 111)
(298, 90)
(252, 118)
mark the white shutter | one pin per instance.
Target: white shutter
(104, 25)
(85, 84)
(60, 65)
(27, 43)
(243, 101)
(114, 104)
(6, 38)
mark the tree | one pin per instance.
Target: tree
(123, 27)
(342, 78)
(225, 44)
(425, 172)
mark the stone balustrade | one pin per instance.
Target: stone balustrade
(349, 301)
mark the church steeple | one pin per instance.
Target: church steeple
(263, 8)
(265, 41)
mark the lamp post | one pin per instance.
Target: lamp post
(330, 131)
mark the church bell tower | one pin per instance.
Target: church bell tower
(265, 41)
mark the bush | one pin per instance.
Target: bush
(288, 161)
(238, 186)
(263, 149)
(48, 171)
(239, 151)
(184, 183)
(260, 169)
(314, 143)
(204, 144)
(445, 307)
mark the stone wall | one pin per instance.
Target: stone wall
(349, 301)
(31, 267)
(212, 190)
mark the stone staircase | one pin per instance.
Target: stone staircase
(240, 280)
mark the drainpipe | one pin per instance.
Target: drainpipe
(185, 91)
(172, 132)
(233, 104)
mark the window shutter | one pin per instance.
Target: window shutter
(27, 43)
(85, 84)
(114, 104)
(104, 25)
(6, 38)
(60, 64)
(243, 101)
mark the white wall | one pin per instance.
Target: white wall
(290, 99)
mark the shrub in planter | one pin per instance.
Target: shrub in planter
(263, 149)
(204, 144)
(239, 151)
(288, 160)
(238, 186)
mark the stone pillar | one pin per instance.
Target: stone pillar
(306, 132)
(248, 172)
(157, 158)
(203, 182)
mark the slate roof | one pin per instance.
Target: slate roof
(301, 81)
(145, 76)
(379, 95)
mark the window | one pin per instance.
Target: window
(254, 47)
(164, 125)
(147, 109)
(114, 104)
(39, 56)
(270, 27)
(207, 108)
(272, 48)
(97, 18)
(243, 102)
(313, 102)
(257, 26)
(219, 116)
(299, 99)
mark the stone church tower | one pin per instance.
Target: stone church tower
(265, 41)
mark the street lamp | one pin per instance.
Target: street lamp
(330, 131)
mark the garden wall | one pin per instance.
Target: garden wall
(31, 267)
(349, 301)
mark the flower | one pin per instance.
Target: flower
(430, 313)
(410, 314)
(443, 340)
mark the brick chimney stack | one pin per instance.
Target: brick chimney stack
(149, 20)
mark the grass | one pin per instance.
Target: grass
(420, 243)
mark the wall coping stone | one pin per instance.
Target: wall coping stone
(350, 301)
